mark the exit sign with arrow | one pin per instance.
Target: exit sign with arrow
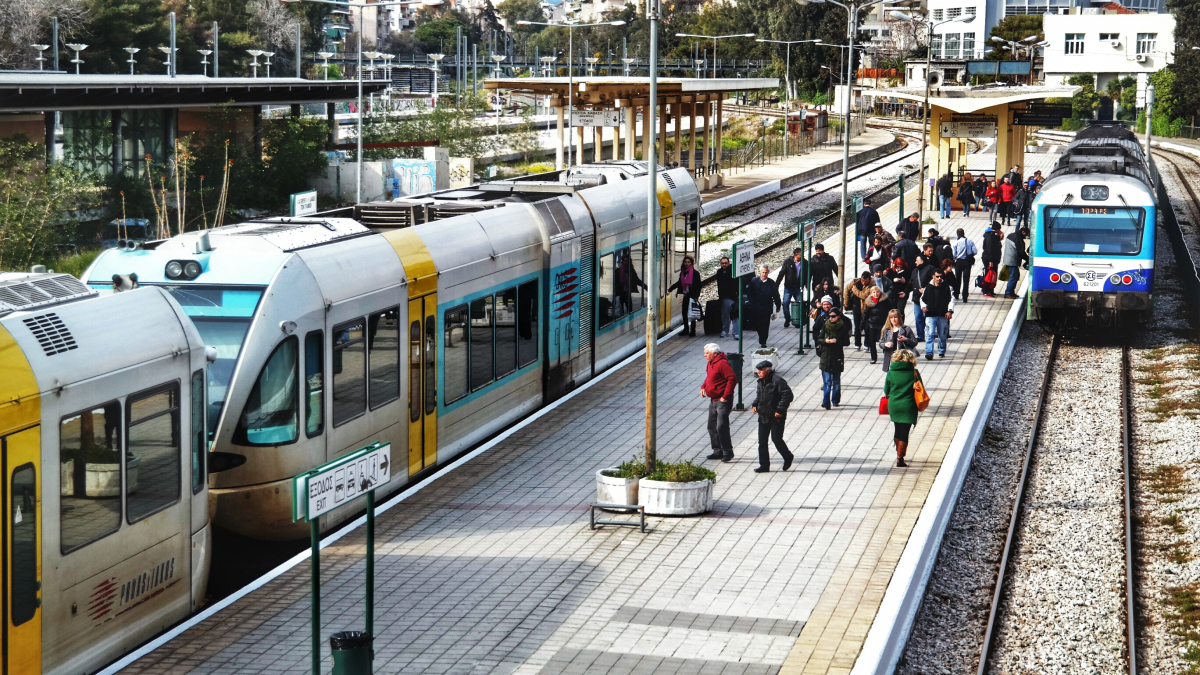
(338, 482)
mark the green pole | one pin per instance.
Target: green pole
(371, 564)
(315, 535)
(808, 293)
(901, 180)
(741, 333)
(803, 290)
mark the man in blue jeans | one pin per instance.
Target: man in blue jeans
(945, 189)
(938, 304)
(1014, 255)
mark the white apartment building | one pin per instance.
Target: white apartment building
(1109, 45)
(959, 40)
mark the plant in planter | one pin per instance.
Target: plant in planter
(619, 484)
(102, 473)
(679, 489)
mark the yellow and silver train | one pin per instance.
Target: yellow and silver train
(430, 323)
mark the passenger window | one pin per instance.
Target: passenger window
(414, 371)
(506, 332)
(23, 518)
(349, 372)
(383, 346)
(482, 318)
(527, 323)
(604, 292)
(152, 461)
(628, 282)
(199, 441)
(637, 294)
(430, 364)
(89, 439)
(454, 367)
(271, 415)
(314, 383)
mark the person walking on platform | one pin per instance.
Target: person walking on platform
(727, 292)
(1022, 202)
(895, 335)
(899, 275)
(945, 188)
(979, 188)
(919, 279)
(1007, 190)
(884, 236)
(719, 384)
(688, 291)
(942, 249)
(964, 258)
(878, 254)
(771, 400)
(1014, 255)
(876, 309)
(832, 337)
(991, 200)
(823, 266)
(966, 197)
(868, 218)
(909, 228)
(908, 250)
(764, 301)
(898, 387)
(857, 291)
(938, 306)
(791, 277)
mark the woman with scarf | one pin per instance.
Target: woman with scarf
(688, 288)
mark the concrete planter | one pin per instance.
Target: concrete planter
(675, 499)
(102, 480)
(611, 490)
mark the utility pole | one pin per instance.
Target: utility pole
(652, 241)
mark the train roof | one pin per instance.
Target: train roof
(1104, 148)
(25, 292)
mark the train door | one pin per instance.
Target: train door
(22, 553)
(668, 273)
(422, 383)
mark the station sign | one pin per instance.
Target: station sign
(303, 203)
(1021, 119)
(596, 118)
(856, 204)
(968, 129)
(743, 258)
(338, 482)
(806, 230)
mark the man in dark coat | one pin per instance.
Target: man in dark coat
(771, 401)
(823, 265)
(945, 189)
(910, 227)
(993, 241)
(832, 337)
(719, 384)
(907, 249)
(727, 293)
(792, 277)
(763, 297)
(868, 218)
(941, 248)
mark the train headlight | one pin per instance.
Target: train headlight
(174, 269)
(1066, 277)
(1115, 279)
(191, 269)
(1054, 278)
(1127, 280)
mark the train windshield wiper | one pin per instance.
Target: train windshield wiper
(1129, 212)
(1059, 211)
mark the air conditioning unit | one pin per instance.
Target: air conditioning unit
(1114, 43)
(1140, 58)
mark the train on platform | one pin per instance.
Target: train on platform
(1093, 233)
(430, 323)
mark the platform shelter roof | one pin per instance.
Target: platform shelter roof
(964, 100)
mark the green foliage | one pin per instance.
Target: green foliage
(1187, 60)
(36, 204)
(1084, 102)
(1015, 28)
(75, 264)
(294, 154)
(456, 127)
(1165, 103)
(433, 34)
(634, 468)
(681, 472)
(513, 11)
(116, 24)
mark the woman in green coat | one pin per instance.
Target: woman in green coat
(902, 402)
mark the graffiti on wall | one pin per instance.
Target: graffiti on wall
(413, 176)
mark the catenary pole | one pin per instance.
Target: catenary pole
(652, 241)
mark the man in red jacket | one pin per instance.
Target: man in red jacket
(719, 384)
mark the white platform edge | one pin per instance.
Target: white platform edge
(119, 665)
(890, 630)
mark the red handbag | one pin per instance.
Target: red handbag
(883, 409)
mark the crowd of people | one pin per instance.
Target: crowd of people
(931, 275)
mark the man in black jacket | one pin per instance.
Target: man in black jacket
(792, 276)
(771, 401)
(823, 266)
(938, 304)
(832, 337)
(910, 227)
(941, 247)
(907, 249)
(868, 218)
(727, 293)
(945, 189)
(763, 296)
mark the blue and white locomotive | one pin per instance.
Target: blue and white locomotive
(1092, 249)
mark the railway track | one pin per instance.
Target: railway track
(1170, 156)
(1057, 591)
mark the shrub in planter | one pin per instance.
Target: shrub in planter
(680, 489)
(619, 484)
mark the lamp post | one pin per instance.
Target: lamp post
(167, 63)
(41, 57)
(372, 56)
(437, 65)
(498, 58)
(547, 60)
(131, 51)
(360, 5)
(714, 38)
(204, 53)
(628, 62)
(77, 48)
(254, 53)
(571, 25)
(268, 63)
(787, 82)
(1015, 47)
(325, 62)
(925, 116)
(652, 244)
(592, 61)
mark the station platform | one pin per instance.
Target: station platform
(490, 567)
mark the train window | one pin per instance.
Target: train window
(199, 442)
(482, 339)
(314, 383)
(152, 465)
(430, 364)
(271, 415)
(527, 323)
(454, 366)
(637, 295)
(506, 332)
(604, 292)
(383, 354)
(89, 437)
(1103, 230)
(22, 516)
(414, 370)
(349, 372)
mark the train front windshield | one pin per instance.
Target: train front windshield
(1097, 230)
(222, 315)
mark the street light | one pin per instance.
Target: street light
(204, 54)
(77, 48)
(629, 62)
(925, 119)
(325, 62)
(787, 82)
(41, 57)
(255, 53)
(360, 5)
(714, 38)
(546, 68)
(571, 26)
(268, 64)
(591, 61)
(131, 51)
(437, 63)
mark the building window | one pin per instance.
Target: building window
(1073, 43)
(1147, 43)
(968, 45)
(969, 11)
(952, 41)
(1106, 37)
(954, 12)
(935, 49)
(937, 15)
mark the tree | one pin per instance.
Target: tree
(27, 22)
(1015, 29)
(1084, 102)
(513, 11)
(113, 25)
(434, 34)
(1187, 60)
(35, 204)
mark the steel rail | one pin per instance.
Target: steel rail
(1127, 461)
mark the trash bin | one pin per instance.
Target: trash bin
(735, 360)
(797, 313)
(352, 652)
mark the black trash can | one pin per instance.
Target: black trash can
(797, 313)
(735, 360)
(352, 652)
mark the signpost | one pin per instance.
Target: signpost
(303, 203)
(596, 118)
(328, 487)
(1042, 114)
(806, 231)
(743, 264)
(968, 129)
(900, 181)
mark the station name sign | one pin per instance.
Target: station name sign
(596, 118)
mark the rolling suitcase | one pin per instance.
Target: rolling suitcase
(712, 317)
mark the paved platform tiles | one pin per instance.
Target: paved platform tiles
(493, 569)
